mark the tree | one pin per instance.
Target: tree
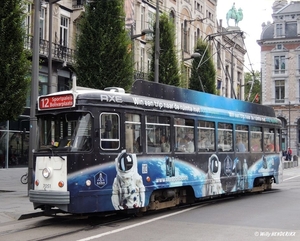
(168, 63)
(256, 89)
(14, 63)
(205, 74)
(103, 56)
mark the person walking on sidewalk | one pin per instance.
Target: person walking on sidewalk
(289, 154)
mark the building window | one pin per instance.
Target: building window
(279, 91)
(27, 25)
(142, 59)
(279, 30)
(185, 37)
(279, 64)
(151, 20)
(299, 89)
(42, 23)
(64, 29)
(142, 19)
(43, 84)
(172, 17)
(27, 21)
(149, 63)
(298, 64)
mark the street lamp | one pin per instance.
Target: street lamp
(194, 55)
(144, 32)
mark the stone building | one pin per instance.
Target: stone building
(280, 65)
(58, 28)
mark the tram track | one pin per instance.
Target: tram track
(42, 225)
(59, 228)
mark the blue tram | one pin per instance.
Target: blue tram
(157, 147)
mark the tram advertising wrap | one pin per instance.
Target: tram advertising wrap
(158, 147)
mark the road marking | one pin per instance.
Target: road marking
(291, 178)
(136, 225)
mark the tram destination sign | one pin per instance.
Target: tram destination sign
(55, 101)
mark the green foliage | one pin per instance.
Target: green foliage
(256, 89)
(14, 63)
(206, 73)
(103, 56)
(168, 63)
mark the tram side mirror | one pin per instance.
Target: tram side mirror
(107, 125)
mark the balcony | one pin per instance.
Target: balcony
(59, 52)
(140, 75)
(78, 4)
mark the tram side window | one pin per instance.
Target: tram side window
(225, 137)
(184, 135)
(206, 136)
(133, 140)
(158, 134)
(241, 132)
(256, 139)
(110, 131)
(269, 140)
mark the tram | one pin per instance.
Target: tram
(156, 147)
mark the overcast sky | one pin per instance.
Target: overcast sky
(255, 13)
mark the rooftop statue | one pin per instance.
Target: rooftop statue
(237, 16)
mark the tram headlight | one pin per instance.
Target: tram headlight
(88, 183)
(46, 172)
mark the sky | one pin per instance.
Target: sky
(255, 13)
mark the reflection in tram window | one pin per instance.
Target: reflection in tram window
(256, 139)
(133, 133)
(157, 134)
(225, 137)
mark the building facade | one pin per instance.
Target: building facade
(280, 65)
(193, 19)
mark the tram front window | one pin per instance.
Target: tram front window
(66, 131)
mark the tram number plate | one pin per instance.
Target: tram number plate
(47, 186)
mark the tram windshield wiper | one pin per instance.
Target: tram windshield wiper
(55, 154)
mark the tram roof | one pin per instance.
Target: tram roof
(148, 95)
(168, 92)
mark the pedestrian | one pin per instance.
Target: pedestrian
(289, 154)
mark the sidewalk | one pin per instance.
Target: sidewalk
(14, 200)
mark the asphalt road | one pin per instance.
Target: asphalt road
(272, 215)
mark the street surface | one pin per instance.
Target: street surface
(272, 215)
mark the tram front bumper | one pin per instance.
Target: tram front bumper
(49, 197)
